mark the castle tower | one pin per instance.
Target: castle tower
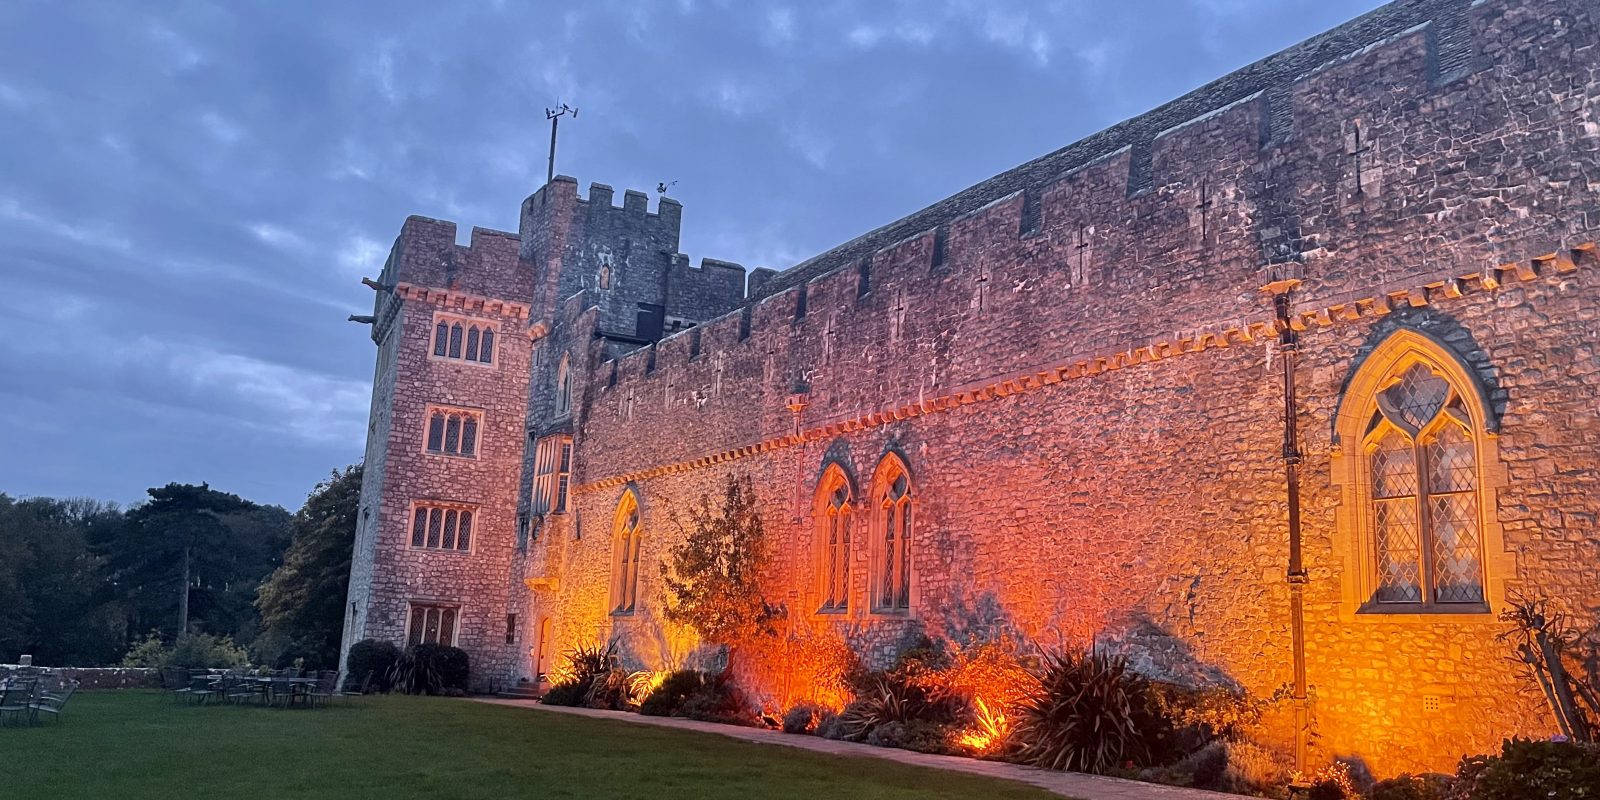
(483, 353)
(444, 445)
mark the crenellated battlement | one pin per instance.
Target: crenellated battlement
(425, 255)
(1231, 187)
(1438, 31)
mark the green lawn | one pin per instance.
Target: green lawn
(131, 745)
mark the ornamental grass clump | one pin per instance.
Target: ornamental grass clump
(585, 665)
(431, 669)
(896, 709)
(1089, 713)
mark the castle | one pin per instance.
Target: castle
(1054, 403)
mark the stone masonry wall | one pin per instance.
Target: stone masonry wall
(434, 275)
(1084, 384)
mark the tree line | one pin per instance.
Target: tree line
(83, 581)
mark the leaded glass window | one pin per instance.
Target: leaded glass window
(625, 570)
(464, 340)
(835, 522)
(453, 432)
(432, 625)
(892, 581)
(440, 527)
(1422, 463)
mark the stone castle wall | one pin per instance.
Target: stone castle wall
(1083, 381)
(1076, 363)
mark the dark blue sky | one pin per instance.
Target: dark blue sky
(190, 191)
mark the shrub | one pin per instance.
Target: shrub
(150, 653)
(204, 651)
(829, 726)
(609, 690)
(891, 697)
(1089, 713)
(565, 694)
(585, 662)
(1549, 770)
(1430, 786)
(1205, 768)
(667, 699)
(921, 735)
(719, 700)
(374, 656)
(1252, 768)
(431, 669)
(803, 718)
(574, 680)
(1333, 782)
(190, 651)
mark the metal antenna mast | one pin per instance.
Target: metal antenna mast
(555, 115)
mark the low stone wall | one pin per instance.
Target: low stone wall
(91, 677)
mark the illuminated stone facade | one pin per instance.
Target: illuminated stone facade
(1076, 367)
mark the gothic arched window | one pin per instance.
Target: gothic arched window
(564, 386)
(1414, 431)
(455, 340)
(891, 523)
(834, 499)
(625, 557)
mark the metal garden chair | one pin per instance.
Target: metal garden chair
(52, 703)
(15, 697)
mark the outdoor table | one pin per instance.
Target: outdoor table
(270, 685)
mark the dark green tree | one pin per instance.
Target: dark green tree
(713, 578)
(51, 601)
(193, 553)
(302, 602)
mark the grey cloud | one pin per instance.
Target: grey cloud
(189, 191)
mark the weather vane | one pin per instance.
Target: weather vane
(555, 115)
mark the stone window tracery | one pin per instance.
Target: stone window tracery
(438, 526)
(453, 431)
(463, 340)
(834, 507)
(892, 515)
(625, 556)
(1419, 452)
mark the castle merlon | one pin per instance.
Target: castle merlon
(1269, 83)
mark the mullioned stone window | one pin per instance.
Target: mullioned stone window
(463, 339)
(833, 512)
(432, 624)
(552, 474)
(891, 558)
(453, 431)
(436, 526)
(1418, 460)
(625, 555)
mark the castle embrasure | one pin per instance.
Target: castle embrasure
(1052, 405)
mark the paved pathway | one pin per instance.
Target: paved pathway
(1068, 784)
